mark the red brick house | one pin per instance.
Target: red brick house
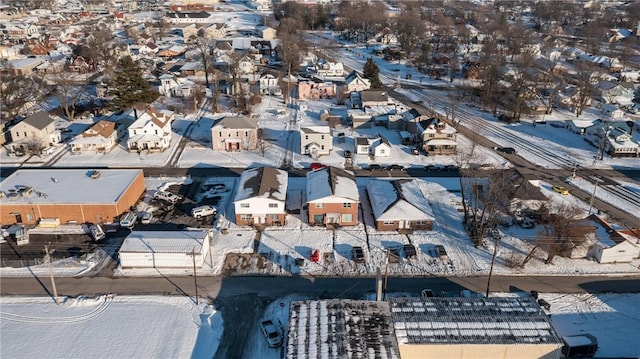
(332, 197)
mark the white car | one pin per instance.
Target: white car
(167, 196)
(204, 211)
(146, 218)
(271, 332)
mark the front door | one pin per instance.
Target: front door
(18, 218)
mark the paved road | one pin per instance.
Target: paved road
(220, 287)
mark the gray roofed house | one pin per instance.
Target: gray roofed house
(399, 204)
(235, 133)
(261, 196)
(374, 97)
(39, 120)
(39, 127)
(332, 197)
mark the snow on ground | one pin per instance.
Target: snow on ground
(605, 196)
(108, 327)
(612, 318)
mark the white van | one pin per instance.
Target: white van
(203, 211)
(167, 196)
(128, 219)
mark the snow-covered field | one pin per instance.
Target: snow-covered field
(108, 327)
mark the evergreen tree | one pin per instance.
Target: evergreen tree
(370, 71)
(128, 85)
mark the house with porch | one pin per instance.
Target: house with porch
(261, 196)
(399, 205)
(380, 147)
(438, 138)
(101, 137)
(235, 133)
(316, 141)
(332, 197)
(354, 82)
(151, 131)
(38, 129)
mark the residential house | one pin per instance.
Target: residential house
(269, 85)
(38, 129)
(332, 197)
(266, 32)
(151, 131)
(570, 97)
(329, 69)
(172, 86)
(261, 196)
(261, 5)
(246, 65)
(359, 118)
(149, 49)
(579, 126)
(612, 111)
(613, 137)
(380, 147)
(216, 31)
(614, 246)
(235, 133)
(81, 65)
(316, 141)
(191, 17)
(438, 138)
(171, 51)
(363, 145)
(101, 137)
(399, 205)
(354, 82)
(316, 90)
(373, 98)
(612, 92)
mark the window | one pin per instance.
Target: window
(319, 205)
(273, 205)
(346, 205)
(388, 223)
(245, 217)
(306, 137)
(156, 132)
(421, 222)
(347, 218)
(29, 217)
(244, 205)
(246, 133)
(219, 133)
(382, 151)
(25, 133)
(322, 137)
(17, 134)
(237, 133)
(273, 217)
(322, 147)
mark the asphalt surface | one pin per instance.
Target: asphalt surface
(221, 287)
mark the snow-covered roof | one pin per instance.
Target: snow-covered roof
(495, 320)
(398, 199)
(341, 329)
(164, 242)
(71, 186)
(331, 184)
(264, 182)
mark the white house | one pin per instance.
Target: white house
(355, 82)
(164, 249)
(613, 246)
(399, 204)
(246, 65)
(151, 131)
(612, 111)
(172, 86)
(316, 141)
(101, 137)
(37, 129)
(380, 147)
(329, 69)
(269, 85)
(261, 196)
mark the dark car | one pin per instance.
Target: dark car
(431, 168)
(409, 251)
(347, 154)
(451, 168)
(374, 167)
(358, 254)
(507, 150)
(440, 251)
(395, 168)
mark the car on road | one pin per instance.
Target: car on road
(316, 166)
(357, 254)
(506, 150)
(271, 332)
(374, 167)
(395, 168)
(563, 191)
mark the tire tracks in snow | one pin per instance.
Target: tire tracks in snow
(59, 320)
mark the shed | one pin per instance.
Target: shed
(164, 249)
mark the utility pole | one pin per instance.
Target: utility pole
(195, 276)
(53, 282)
(386, 276)
(593, 194)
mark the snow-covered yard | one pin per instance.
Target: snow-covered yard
(108, 327)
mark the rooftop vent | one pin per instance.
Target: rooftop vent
(54, 180)
(94, 174)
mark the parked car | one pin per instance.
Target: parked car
(316, 166)
(146, 218)
(347, 154)
(167, 196)
(441, 252)
(431, 168)
(128, 219)
(451, 168)
(415, 151)
(271, 332)
(358, 254)
(507, 150)
(395, 168)
(97, 233)
(427, 293)
(374, 167)
(409, 251)
(203, 211)
(563, 191)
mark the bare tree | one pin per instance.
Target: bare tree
(585, 87)
(263, 143)
(205, 53)
(69, 90)
(409, 29)
(34, 146)
(18, 91)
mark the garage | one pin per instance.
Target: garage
(164, 249)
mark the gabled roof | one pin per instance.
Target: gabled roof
(398, 199)
(374, 96)
(331, 182)
(101, 128)
(263, 182)
(39, 120)
(237, 122)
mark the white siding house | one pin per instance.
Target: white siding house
(316, 141)
(261, 196)
(164, 249)
(151, 131)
